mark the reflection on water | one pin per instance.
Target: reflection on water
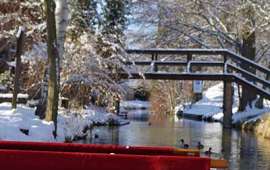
(243, 150)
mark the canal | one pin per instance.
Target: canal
(244, 151)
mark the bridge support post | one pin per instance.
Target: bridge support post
(155, 58)
(227, 104)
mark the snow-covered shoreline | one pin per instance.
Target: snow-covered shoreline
(134, 104)
(70, 124)
(210, 107)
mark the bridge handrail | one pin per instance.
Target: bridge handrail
(227, 55)
(181, 51)
(261, 91)
(248, 61)
(224, 52)
(177, 63)
(248, 74)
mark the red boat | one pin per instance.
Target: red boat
(66, 156)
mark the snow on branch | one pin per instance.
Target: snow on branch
(20, 31)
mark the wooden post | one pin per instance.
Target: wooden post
(117, 106)
(226, 142)
(18, 54)
(189, 58)
(225, 59)
(155, 58)
(227, 104)
(155, 66)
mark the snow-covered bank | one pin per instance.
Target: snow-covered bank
(70, 125)
(135, 109)
(10, 95)
(210, 106)
(134, 104)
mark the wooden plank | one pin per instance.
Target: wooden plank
(162, 63)
(259, 90)
(177, 76)
(197, 51)
(207, 63)
(214, 163)
(235, 57)
(168, 51)
(219, 163)
(177, 63)
(187, 152)
(250, 75)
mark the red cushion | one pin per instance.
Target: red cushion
(46, 160)
(89, 148)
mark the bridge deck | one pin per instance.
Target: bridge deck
(197, 76)
(177, 76)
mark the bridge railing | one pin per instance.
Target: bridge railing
(226, 54)
(231, 64)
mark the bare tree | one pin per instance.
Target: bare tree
(52, 101)
(20, 37)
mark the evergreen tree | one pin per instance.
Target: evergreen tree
(84, 14)
(114, 13)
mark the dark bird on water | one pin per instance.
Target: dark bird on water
(186, 146)
(200, 146)
(96, 136)
(183, 144)
(209, 152)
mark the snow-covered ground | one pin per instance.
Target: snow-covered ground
(134, 104)
(69, 124)
(2, 88)
(10, 95)
(210, 106)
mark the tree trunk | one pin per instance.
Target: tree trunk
(52, 101)
(42, 104)
(61, 17)
(61, 20)
(20, 36)
(248, 50)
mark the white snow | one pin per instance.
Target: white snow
(21, 29)
(10, 95)
(2, 88)
(211, 103)
(134, 104)
(210, 106)
(251, 113)
(37, 53)
(70, 124)
(11, 121)
(132, 83)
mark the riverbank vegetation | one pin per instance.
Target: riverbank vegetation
(73, 51)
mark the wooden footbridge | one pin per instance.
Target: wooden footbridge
(229, 63)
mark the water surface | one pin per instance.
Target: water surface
(243, 150)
